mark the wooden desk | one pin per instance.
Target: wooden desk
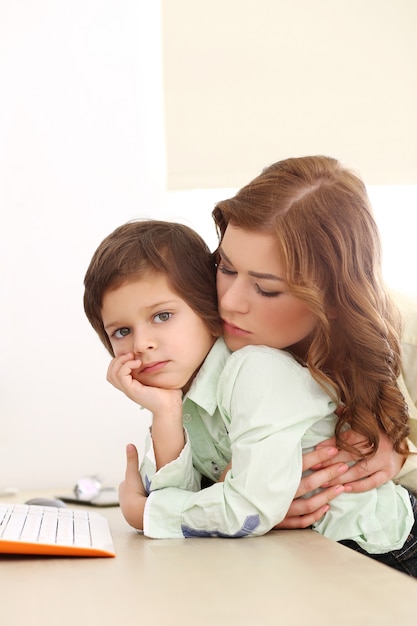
(286, 578)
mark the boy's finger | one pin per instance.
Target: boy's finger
(132, 463)
(133, 480)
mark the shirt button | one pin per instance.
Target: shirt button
(187, 417)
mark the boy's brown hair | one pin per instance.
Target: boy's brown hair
(141, 247)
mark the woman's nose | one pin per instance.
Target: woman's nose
(234, 298)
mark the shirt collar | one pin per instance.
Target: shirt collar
(203, 390)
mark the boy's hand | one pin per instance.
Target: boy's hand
(122, 373)
(132, 494)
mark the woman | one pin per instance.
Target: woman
(291, 199)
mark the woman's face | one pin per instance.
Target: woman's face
(254, 304)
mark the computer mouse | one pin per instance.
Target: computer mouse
(47, 502)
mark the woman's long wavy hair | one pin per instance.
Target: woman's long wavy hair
(331, 252)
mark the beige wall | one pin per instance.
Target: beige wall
(248, 82)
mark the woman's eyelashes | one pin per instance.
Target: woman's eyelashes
(224, 270)
(262, 292)
(266, 294)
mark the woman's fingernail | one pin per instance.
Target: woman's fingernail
(343, 467)
(332, 451)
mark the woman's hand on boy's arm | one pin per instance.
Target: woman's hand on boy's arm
(132, 494)
(333, 475)
(303, 512)
(369, 473)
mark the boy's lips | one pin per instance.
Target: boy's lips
(231, 329)
(150, 368)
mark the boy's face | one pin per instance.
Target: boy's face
(146, 318)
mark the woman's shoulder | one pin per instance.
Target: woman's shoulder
(263, 360)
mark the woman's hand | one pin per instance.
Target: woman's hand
(370, 472)
(334, 476)
(132, 494)
(303, 512)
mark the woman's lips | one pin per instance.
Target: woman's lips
(231, 329)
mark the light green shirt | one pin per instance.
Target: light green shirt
(261, 408)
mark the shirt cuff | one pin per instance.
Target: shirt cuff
(162, 518)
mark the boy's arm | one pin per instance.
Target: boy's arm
(304, 512)
(179, 472)
(167, 436)
(164, 404)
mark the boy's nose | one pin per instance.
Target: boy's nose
(142, 342)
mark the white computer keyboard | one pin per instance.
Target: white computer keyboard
(34, 529)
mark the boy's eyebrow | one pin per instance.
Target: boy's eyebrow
(251, 273)
(109, 326)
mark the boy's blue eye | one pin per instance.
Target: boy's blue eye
(121, 332)
(159, 318)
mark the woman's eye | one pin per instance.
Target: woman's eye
(162, 317)
(121, 332)
(267, 294)
(224, 270)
